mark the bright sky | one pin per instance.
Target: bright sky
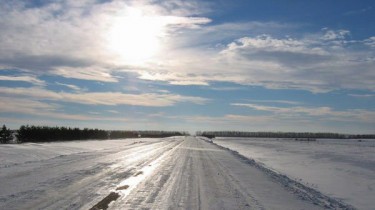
(251, 65)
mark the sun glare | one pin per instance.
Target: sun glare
(135, 38)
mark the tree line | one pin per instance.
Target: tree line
(46, 134)
(310, 135)
(32, 133)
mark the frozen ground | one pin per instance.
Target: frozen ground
(170, 173)
(343, 169)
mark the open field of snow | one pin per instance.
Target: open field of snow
(340, 168)
(169, 173)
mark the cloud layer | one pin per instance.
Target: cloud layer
(103, 98)
(203, 66)
(297, 112)
(69, 39)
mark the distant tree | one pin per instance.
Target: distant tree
(5, 135)
(22, 133)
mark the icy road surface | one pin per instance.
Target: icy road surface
(171, 173)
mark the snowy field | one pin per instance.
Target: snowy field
(165, 173)
(343, 169)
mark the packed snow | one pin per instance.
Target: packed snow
(340, 168)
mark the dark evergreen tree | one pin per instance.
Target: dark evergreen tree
(5, 135)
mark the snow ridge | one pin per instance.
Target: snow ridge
(301, 190)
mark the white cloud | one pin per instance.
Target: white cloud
(300, 64)
(359, 11)
(24, 78)
(277, 101)
(69, 39)
(174, 79)
(334, 35)
(362, 95)
(43, 109)
(316, 111)
(356, 115)
(226, 88)
(34, 107)
(309, 63)
(269, 44)
(22, 105)
(73, 87)
(186, 8)
(370, 41)
(94, 113)
(104, 98)
(267, 122)
(86, 73)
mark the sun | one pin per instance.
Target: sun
(135, 38)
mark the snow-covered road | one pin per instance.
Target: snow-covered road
(171, 173)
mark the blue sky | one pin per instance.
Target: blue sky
(189, 65)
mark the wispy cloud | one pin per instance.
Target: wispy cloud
(335, 35)
(42, 109)
(370, 41)
(86, 73)
(359, 115)
(276, 101)
(24, 78)
(226, 88)
(321, 62)
(315, 111)
(267, 122)
(362, 95)
(73, 87)
(104, 98)
(301, 63)
(359, 11)
(74, 44)
(35, 108)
